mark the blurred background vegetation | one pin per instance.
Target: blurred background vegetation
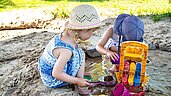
(158, 9)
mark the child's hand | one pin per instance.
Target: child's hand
(112, 55)
(82, 82)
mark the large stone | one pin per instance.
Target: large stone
(92, 53)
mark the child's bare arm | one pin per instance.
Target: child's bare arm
(100, 45)
(80, 73)
(63, 56)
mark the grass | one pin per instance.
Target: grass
(158, 9)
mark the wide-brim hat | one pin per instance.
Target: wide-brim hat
(133, 29)
(130, 27)
(118, 23)
(83, 17)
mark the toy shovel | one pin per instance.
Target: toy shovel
(137, 74)
(131, 73)
(125, 73)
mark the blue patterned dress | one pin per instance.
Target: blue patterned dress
(48, 60)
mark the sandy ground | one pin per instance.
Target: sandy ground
(20, 50)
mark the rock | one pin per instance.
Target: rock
(151, 46)
(92, 53)
(165, 46)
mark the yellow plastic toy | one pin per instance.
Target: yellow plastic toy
(131, 73)
(136, 52)
(117, 77)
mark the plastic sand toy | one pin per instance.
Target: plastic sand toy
(125, 73)
(137, 75)
(132, 74)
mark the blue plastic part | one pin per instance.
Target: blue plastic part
(137, 74)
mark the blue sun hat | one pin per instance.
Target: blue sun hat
(130, 27)
(118, 23)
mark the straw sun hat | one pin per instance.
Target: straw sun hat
(83, 17)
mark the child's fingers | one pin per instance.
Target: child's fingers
(117, 55)
(87, 82)
(114, 57)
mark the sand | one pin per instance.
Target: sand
(20, 50)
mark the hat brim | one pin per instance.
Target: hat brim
(118, 23)
(76, 27)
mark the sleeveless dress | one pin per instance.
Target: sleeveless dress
(48, 60)
(113, 41)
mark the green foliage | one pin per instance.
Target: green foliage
(158, 9)
(4, 3)
(159, 17)
(61, 12)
